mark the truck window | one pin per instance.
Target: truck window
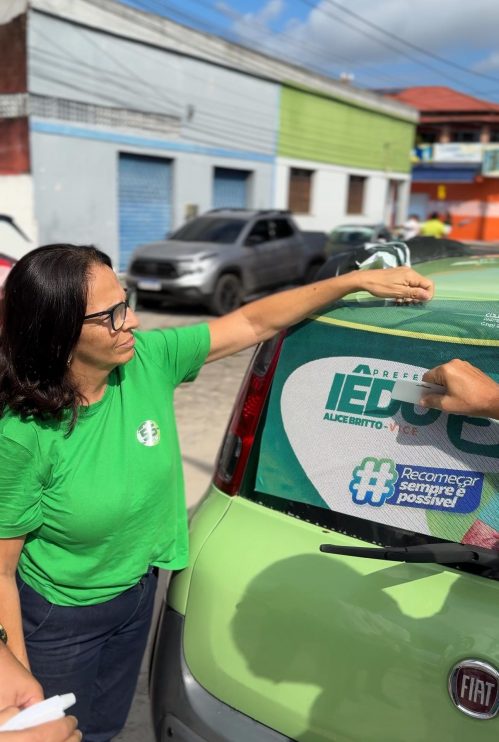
(282, 229)
(260, 232)
(208, 229)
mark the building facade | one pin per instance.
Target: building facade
(456, 160)
(118, 125)
(340, 162)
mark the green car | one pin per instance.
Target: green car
(344, 562)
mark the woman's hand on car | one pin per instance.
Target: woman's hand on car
(468, 390)
(261, 319)
(403, 284)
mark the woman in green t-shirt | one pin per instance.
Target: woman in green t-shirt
(91, 487)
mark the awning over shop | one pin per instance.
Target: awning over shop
(443, 172)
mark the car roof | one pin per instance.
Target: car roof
(245, 214)
(358, 226)
(470, 277)
(466, 278)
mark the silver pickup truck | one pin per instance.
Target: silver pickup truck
(224, 257)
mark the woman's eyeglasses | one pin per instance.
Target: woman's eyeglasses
(116, 312)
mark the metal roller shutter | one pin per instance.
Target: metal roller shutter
(230, 188)
(145, 194)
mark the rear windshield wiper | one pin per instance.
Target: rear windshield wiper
(438, 553)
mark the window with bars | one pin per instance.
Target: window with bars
(300, 190)
(355, 199)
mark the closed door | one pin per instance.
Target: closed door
(230, 188)
(144, 202)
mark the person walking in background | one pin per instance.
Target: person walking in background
(411, 227)
(91, 485)
(433, 227)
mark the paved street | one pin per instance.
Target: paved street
(202, 409)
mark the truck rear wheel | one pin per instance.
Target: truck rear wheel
(227, 296)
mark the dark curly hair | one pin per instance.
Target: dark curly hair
(43, 306)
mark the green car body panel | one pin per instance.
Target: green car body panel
(322, 647)
(474, 278)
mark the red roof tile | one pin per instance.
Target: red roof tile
(427, 99)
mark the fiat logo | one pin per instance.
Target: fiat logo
(474, 688)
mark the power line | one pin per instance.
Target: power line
(115, 80)
(208, 124)
(68, 59)
(417, 48)
(401, 52)
(222, 125)
(195, 22)
(299, 44)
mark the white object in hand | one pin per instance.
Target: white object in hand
(48, 710)
(412, 391)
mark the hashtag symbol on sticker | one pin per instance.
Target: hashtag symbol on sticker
(373, 481)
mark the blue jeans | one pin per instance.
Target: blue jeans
(92, 651)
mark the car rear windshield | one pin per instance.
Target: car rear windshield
(335, 447)
(208, 229)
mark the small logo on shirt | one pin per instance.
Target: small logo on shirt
(148, 433)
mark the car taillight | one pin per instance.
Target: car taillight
(240, 434)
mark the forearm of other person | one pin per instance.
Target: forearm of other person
(10, 609)
(18, 687)
(468, 390)
(262, 319)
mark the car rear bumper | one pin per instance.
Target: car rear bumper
(182, 709)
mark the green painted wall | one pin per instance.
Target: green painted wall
(313, 127)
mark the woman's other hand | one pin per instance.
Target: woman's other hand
(468, 390)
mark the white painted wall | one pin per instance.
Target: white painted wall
(225, 119)
(216, 107)
(164, 33)
(76, 185)
(375, 197)
(330, 190)
(404, 199)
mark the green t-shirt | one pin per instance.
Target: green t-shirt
(101, 505)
